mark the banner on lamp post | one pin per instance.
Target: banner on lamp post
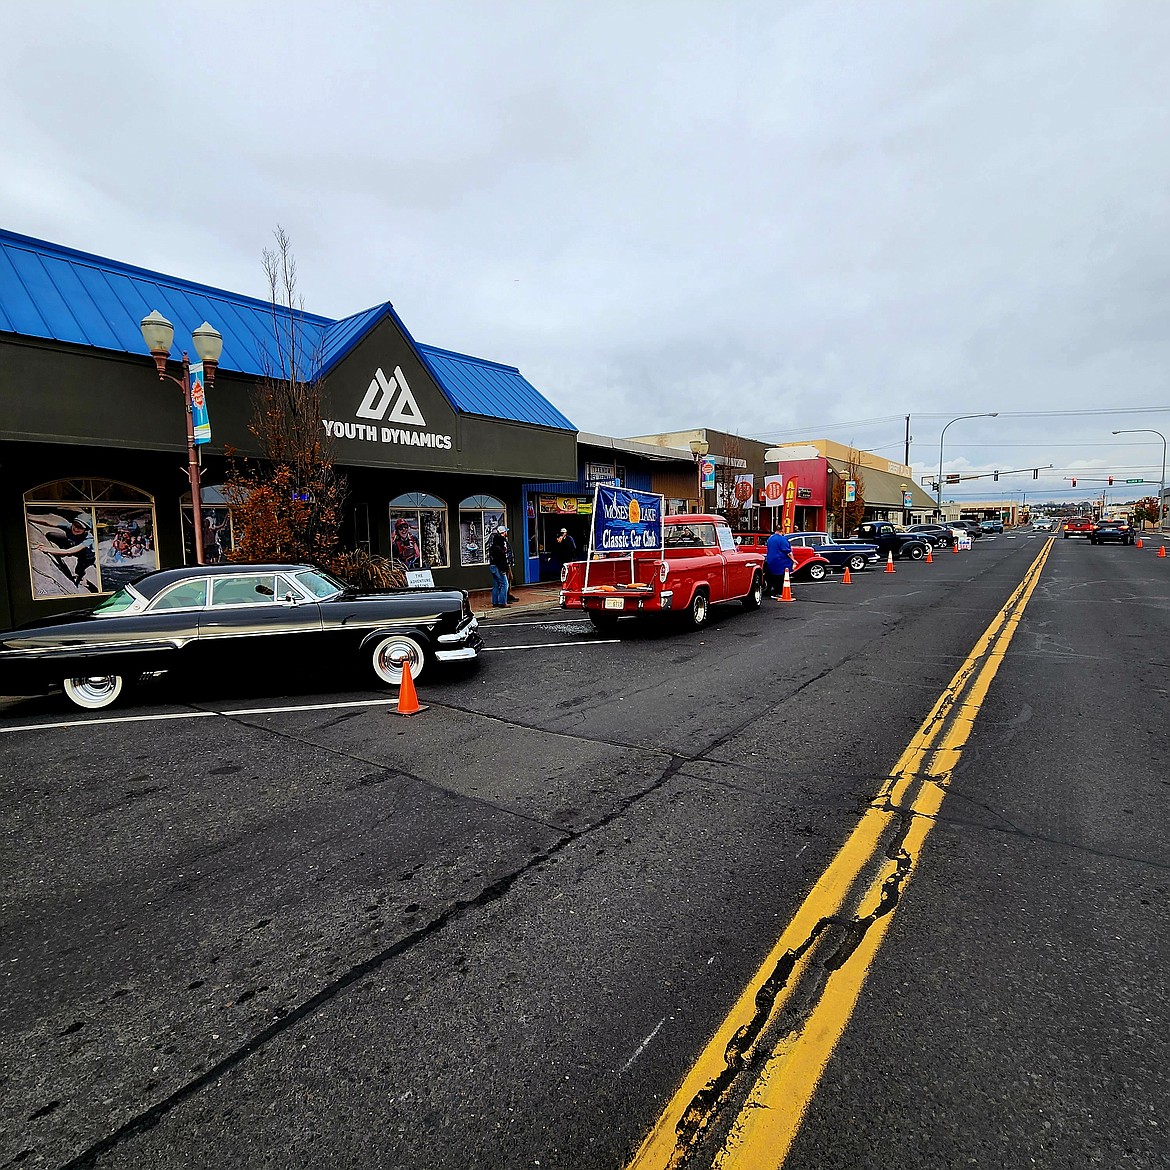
(707, 471)
(200, 421)
(850, 491)
(744, 490)
(773, 491)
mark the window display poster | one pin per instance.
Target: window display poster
(418, 540)
(218, 536)
(475, 530)
(125, 543)
(61, 550)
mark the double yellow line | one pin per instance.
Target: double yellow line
(742, 1103)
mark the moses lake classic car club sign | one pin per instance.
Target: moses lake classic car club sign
(625, 520)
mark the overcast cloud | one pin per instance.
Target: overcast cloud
(779, 219)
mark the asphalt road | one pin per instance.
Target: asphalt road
(261, 928)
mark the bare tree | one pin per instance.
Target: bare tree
(847, 515)
(737, 511)
(288, 504)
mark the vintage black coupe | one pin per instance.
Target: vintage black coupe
(237, 619)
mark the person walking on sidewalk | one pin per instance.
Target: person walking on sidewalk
(778, 559)
(500, 563)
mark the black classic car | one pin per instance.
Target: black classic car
(236, 618)
(854, 556)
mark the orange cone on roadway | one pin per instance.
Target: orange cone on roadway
(929, 555)
(408, 703)
(1139, 542)
(786, 592)
(955, 545)
(890, 563)
(845, 578)
(1161, 550)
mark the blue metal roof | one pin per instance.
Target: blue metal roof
(59, 294)
(476, 386)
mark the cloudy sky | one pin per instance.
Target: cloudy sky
(784, 219)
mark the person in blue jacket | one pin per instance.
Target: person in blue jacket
(778, 559)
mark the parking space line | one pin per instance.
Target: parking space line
(550, 645)
(173, 715)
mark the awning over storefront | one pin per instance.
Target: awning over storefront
(884, 490)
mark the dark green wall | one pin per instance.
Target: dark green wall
(67, 412)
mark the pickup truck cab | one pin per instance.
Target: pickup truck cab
(698, 566)
(889, 540)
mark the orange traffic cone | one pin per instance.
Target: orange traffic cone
(955, 545)
(845, 578)
(1139, 542)
(929, 555)
(1161, 550)
(786, 592)
(890, 563)
(408, 703)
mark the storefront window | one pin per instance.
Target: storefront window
(218, 531)
(479, 517)
(87, 536)
(418, 532)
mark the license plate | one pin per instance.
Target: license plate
(615, 603)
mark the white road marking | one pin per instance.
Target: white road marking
(389, 699)
(549, 645)
(642, 1047)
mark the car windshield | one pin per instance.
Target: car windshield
(118, 602)
(320, 584)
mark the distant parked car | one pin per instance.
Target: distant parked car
(991, 525)
(1112, 532)
(971, 527)
(938, 534)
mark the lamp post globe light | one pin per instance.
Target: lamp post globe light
(938, 496)
(1162, 481)
(158, 333)
(699, 449)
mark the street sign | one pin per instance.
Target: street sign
(1135, 481)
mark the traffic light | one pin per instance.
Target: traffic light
(995, 476)
(1035, 472)
(1111, 481)
(1074, 481)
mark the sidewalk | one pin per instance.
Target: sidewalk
(533, 598)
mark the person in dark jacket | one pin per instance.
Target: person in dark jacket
(564, 549)
(500, 563)
(777, 560)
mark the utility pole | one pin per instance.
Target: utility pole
(906, 460)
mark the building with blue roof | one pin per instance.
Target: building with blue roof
(437, 445)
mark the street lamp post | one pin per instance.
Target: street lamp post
(699, 449)
(938, 497)
(158, 333)
(1162, 482)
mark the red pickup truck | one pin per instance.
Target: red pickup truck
(1078, 526)
(698, 566)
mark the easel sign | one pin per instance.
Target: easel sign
(625, 522)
